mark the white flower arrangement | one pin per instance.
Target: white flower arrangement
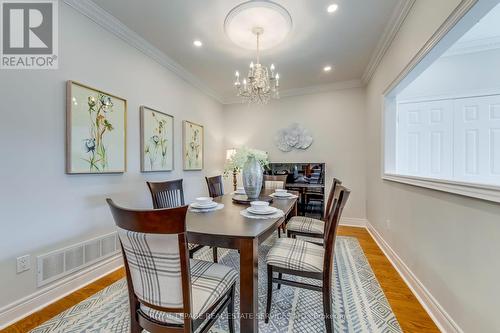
(241, 155)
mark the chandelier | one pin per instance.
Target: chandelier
(262, 83)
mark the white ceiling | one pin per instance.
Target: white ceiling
(346, 39)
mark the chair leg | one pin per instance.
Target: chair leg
(230, 312)
(269, 292)
(214, 251)
(327, 306)
(134, 324)
(135, 328)
(280, 275)
(279, 232)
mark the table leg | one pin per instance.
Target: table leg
(249, 305)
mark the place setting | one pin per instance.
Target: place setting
(205, 205)
(282, 194)
(241, 197)
(240, 190)
(262, 210)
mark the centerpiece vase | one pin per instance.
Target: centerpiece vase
(252, 177)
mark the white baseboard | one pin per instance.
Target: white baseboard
(353, 222)
(440, 317)
(24, 307)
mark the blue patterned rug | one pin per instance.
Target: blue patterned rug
(359, 303)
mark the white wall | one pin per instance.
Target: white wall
(43, 209)
(451, 243)
(457, 75)
(336, 121)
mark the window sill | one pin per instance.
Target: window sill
(484, 192)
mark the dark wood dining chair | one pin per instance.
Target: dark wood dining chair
(310, 227)
(215, 189)
(168, 292)
(296, 257)
(215, 186)
(170, 194)
(274, 181)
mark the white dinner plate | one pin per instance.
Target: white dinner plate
(207, 206)
(269, 210)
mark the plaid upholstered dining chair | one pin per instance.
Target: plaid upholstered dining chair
(273, 182)
(170, 194)
(168, 292)
(310, 227)
(296, 257)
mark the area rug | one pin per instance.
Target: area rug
(359, 304)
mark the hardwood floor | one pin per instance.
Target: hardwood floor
(410, 314)
(35, 319)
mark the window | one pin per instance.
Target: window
(442, 120)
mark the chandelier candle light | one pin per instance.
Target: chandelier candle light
(259, 87)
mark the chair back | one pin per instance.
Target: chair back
(339, 201)
(273, 182)
(331, 195)
(215, 187)
(156, 258)
(167, 194)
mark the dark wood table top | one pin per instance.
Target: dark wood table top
(229, 222)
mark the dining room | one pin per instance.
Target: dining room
(249, 166)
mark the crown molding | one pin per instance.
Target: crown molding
(341, 85)
(473, 46)
(113, 25)
(398, 17)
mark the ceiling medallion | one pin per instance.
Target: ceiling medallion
(245, 26)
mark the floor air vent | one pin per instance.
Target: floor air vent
(62, 262)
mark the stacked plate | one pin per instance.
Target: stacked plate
(240, 190)
(204, 203)
(261, 208)
(282, 193)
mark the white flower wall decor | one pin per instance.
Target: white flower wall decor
(294, 136)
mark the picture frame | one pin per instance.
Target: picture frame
(96, 131)
(157, 140)
(192, 146)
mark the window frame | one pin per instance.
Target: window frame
(460, 21)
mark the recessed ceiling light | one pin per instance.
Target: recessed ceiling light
(198, 43)
(332, 8)
(327, 68)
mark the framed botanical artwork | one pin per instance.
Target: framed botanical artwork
(192, 145)
(157, 140)
(96, 138)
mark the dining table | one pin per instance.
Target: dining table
(227, 228)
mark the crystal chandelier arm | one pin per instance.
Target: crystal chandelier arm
(258, 50)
